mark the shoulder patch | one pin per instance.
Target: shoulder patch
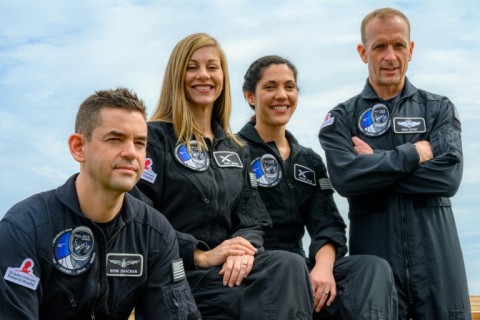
(227, 159)
(148, 174)
(325, 184)
(253, 180)
(23, 275)
(178, 271)
(304, 174)
(328, 121)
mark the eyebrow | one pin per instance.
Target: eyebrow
(121, 134)
(209, 60)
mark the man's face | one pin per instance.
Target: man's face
(115, 156)
(387, 51)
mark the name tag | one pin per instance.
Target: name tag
(409, 125)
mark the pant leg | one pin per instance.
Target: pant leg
(278, 288)
(287, 294)
(365, 290)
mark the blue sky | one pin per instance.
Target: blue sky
(53, 54)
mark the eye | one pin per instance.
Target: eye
(380, 46)
(141, 144)
(191, 67)
(213, 67)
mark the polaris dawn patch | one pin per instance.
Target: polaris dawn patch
(304, 174)
(124, 265)
(196, 159)
(375, 121)
(409, 125)
(227, 159)
(73, 250)
(267, 171)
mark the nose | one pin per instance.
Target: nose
(129, 151)
(202, 73)
(390, 54)
(280, 94)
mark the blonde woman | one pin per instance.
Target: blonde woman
(198, 174)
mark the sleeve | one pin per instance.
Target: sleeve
(251, 216)
(324, 222)
(350, 173)
(440, 176)
(20, 269)
(167, 292)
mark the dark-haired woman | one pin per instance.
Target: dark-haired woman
(296, 190)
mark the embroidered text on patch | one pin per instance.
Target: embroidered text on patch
(375, 121)
(74, 250)
(196, 158)
(304, 174)
(227, 159)
(409, 125)
(327, 121)
(24, 275)
(148, 174)
(124, 265)
(267, 171)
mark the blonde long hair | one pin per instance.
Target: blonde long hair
(173, 106)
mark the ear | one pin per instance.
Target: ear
(250, 97)
(412, 44)
(76, 144)
(362, 52)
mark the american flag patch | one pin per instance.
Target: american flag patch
(325, 184)
(253, 180)
(178, 272)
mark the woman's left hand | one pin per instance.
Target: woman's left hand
(235, 269)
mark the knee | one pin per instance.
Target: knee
(287, 261)
(376, 266)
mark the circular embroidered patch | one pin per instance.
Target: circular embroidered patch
(73, 250)
(267, 171)
(197, 159)
(375, 121)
